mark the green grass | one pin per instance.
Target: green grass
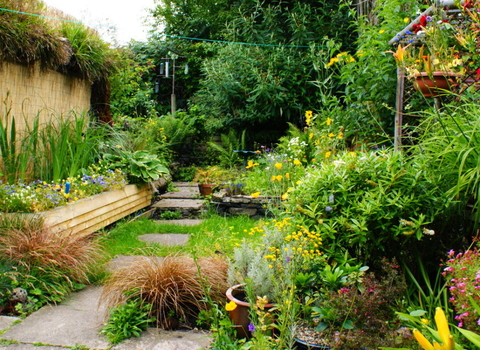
(215, 234)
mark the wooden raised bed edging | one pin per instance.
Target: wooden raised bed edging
(91, 214)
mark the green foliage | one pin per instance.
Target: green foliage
(450, 138)
(92, 58)
(131, 95)
(170, 215)
(60, 148)
(127, 320)
(367, 203)
(226, 149)
(370, 80)
(140, 166)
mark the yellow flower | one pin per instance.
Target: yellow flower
(406, 20)
(308, 114)
(424, 321)
(231, 306)
(422, 340)
(443, 330)
(255, 194)
(284, 196)
(278, 165)
(381, 31)
(329, 121)
(333, 60)
(287, 175)
(340, 136)
(250, 164)
(328, 154)
(279, 177)
(331, 135)
(310, 136)
(296, 161)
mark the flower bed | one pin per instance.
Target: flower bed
(88, 215)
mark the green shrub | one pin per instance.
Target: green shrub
(371, 204)
(127, 320)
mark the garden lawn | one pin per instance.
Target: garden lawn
(215, 234)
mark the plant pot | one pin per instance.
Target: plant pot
(206, 189)
(436, 83)
(240, 316)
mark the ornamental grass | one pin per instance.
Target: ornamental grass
(39, 247)
(172, 286)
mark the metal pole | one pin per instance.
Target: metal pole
(173, 100)
(399, 109)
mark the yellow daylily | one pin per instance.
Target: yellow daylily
(443, 332)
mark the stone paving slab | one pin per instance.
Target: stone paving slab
(157, 339)
(22, 346)
(182, 192)
(173, 203)
(184, 222)
(123, 261)
(75, 321)
(167, 239)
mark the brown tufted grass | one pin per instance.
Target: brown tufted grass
(171, 286)
(42, 247)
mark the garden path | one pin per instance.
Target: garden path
(78, 320)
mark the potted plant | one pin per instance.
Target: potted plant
(432, 59)
(209, 178)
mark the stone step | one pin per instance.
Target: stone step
(174, 203)
(183, 192)
(166, 239)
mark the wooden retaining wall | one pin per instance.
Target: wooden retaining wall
(91, 214)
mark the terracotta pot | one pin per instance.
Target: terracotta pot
(240, 315)
(435, 84)
(206, 189)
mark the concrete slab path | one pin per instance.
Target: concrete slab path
(166, 239)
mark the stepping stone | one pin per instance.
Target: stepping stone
(167, 239)
(6, 321)
(158, 339)
(123, 261)
(183, 192)
(183, 222)
(172, 204)
(77, 320)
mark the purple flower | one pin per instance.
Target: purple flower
(328, 208)
(288, 259)
(251, 327)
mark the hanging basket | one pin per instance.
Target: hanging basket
(436, 83)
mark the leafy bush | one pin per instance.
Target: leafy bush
(140, 166)
(127, 320)
(367, 203)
